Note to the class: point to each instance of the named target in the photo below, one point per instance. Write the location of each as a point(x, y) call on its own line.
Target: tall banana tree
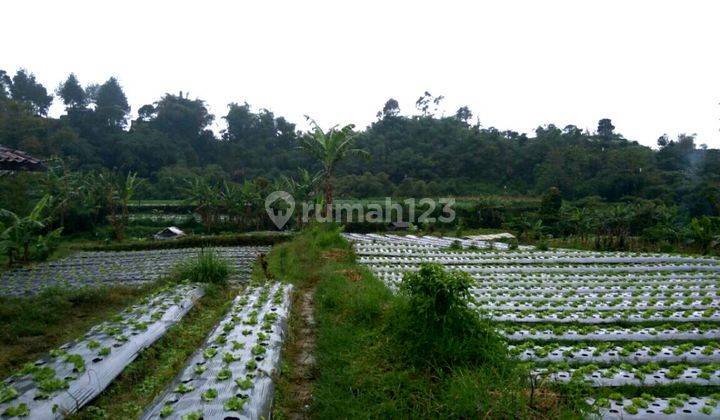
point(20, 233)
point(206, 199)
point(704, 233)
point(118, 191)
point(62, 185)
point(581, 221)
point(303, 189)
point(329, 149)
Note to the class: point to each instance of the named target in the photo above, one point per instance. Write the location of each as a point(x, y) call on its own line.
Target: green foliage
point(157, 366)
point(25, 89)
point(111, 103)
point(209, 394)
point(72, 94)
point(207, 267)
point(705, 232)
point(23, 238)
point(434, 326)
point(363, 373)
point(234, 404)
point(329, 149)
point(118, 190)
point(550, 206)
point(195, 241)
point(20, 410)
point(7, 393)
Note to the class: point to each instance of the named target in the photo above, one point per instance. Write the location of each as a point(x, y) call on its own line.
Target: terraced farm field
point(108, 268)
point(615, 322)
point(230, 376)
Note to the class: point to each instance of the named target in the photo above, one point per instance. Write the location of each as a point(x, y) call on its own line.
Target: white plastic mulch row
point(608, 377)
point(424, 241)
point(605, 317)
point(400, 247)
point(72, 375)
point(595, 304)
point(618, 354)
point(612, 333)
point(574, 268)
point(534, 295)
point(230, 377)
point(650, 408)
point(592, 300)
point(480, 258)
point(111, 268)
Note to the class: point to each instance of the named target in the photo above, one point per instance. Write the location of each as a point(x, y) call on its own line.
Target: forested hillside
point(413, 153)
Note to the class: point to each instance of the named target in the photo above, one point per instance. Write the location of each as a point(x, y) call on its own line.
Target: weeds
point(207, 267)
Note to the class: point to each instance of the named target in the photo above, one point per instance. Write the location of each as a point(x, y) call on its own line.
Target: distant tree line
point(423, 154)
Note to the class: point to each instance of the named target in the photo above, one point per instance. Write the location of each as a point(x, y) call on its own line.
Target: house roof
point(16, 160)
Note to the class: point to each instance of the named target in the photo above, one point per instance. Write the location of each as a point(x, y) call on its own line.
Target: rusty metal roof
point(12, 160)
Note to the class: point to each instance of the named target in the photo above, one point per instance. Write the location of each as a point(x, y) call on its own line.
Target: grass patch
point(32, 326)
point(150, 374)
point(206, 267)
point(361, 372)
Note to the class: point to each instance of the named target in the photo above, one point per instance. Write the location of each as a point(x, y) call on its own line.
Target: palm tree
point(330, 148)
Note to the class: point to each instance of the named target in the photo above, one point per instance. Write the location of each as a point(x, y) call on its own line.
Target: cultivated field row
point(607, 320)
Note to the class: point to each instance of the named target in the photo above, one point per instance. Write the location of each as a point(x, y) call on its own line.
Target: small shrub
point(542, 246)
point(207, 267)
point(433, 325)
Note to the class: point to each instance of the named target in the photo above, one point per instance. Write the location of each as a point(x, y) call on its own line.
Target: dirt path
point(301, 354)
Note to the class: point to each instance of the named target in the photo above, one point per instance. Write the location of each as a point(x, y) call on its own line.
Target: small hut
point(15, 160)
point(171, 232)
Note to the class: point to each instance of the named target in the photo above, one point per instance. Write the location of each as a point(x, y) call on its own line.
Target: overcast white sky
point(652, 66)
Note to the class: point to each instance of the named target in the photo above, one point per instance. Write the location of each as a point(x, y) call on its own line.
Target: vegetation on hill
point(598, 189)
point(411, 155)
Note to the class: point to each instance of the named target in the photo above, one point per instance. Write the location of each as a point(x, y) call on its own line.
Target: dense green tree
point(412, 155)
point(390, 109)
point(111, 104)
point(72, 94)
point(605, 129)
point(463, 114)
point(25, 89)
point(180, 117)
point(5, 83)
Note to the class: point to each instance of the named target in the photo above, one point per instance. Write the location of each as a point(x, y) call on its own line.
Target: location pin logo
point(280, 216)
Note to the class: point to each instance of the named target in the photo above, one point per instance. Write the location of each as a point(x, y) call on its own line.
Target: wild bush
point(433, 325)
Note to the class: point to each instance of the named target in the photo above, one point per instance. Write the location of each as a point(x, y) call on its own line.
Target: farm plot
point(106, 268)
point(611, 321)
point(72, 375)
point(230, 376)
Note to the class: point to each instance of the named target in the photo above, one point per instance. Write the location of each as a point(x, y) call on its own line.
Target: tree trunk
point(328, 196)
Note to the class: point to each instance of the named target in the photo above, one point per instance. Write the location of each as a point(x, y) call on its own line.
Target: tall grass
point(206, 267)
